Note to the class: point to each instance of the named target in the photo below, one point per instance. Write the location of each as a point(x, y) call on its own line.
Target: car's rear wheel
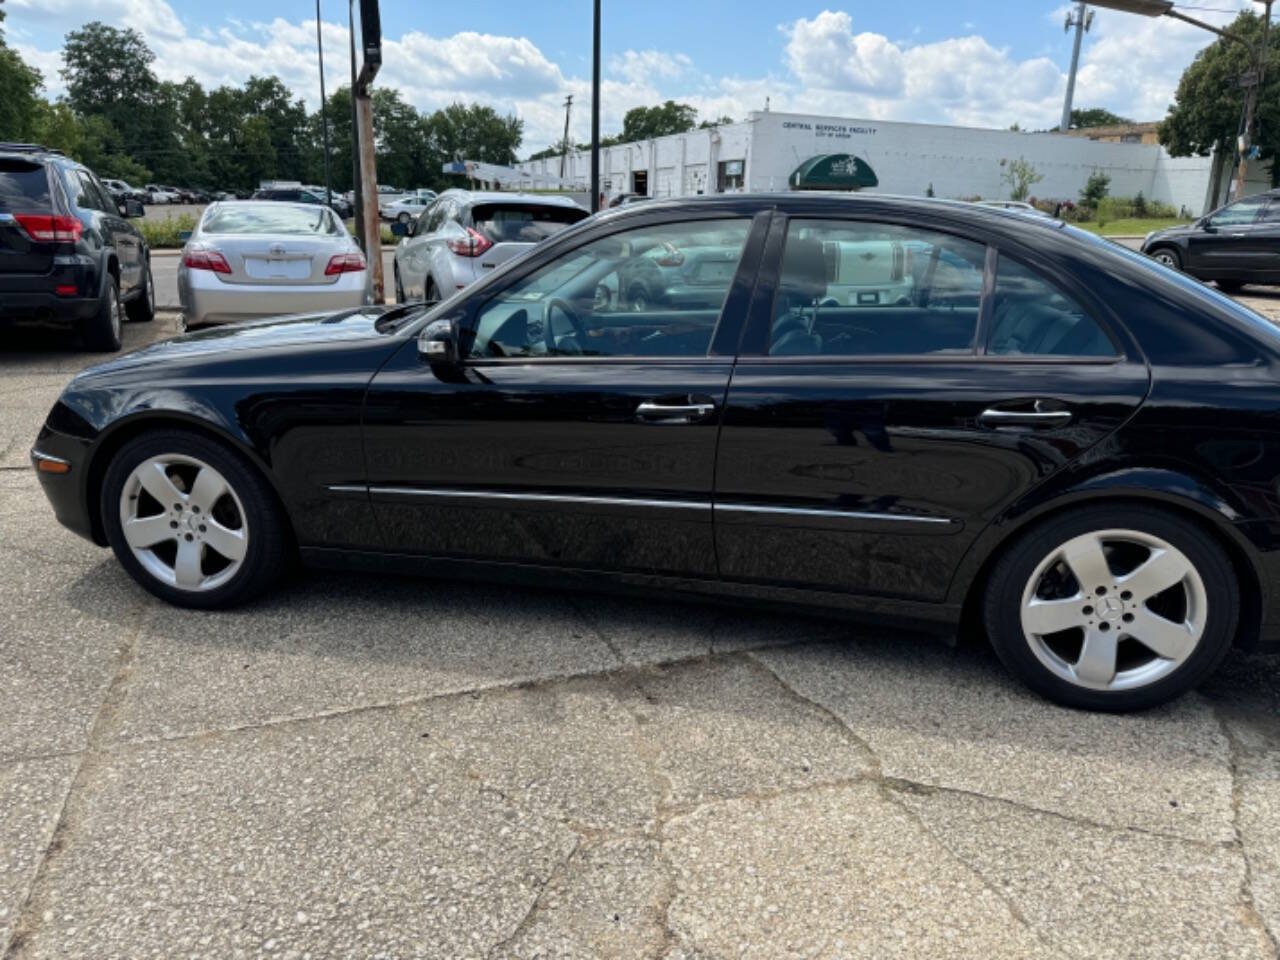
point(102, 330)
point(1168, 256)
point(142, 308)
point(432, 294)
point(1112, 607)
point(638, 298)
point(191, 520)
point(395, 270)
point(402, 217)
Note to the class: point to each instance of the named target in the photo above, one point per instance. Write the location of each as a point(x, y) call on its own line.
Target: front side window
point(641, 293)
point(1238, 214)
point(1032, 317)
point(850, 288)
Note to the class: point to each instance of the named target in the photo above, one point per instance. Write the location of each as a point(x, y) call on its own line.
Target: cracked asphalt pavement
point(373, 767)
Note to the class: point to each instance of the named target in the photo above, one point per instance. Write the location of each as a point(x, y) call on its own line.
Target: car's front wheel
point(1168, 256)
point(1112, 607)
point(191, 520)
point(403, 217)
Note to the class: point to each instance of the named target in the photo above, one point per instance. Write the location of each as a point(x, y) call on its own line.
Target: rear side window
point(869, 289)
point(1032, 317)
point(23, 186)
point(264, 218)
point(530, 223)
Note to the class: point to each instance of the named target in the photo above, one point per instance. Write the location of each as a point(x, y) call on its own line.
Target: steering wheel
point(548, 337)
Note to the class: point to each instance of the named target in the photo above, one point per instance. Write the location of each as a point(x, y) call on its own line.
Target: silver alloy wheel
point(115, 313)
point(1087, 610)
point(1165, 257)
point(184, 522)
point(149, 291)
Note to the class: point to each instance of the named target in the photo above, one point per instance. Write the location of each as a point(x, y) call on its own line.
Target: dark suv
point(68, 257)
point(299, 195)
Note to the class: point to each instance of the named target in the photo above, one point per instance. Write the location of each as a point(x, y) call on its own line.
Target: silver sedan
point(260, 258)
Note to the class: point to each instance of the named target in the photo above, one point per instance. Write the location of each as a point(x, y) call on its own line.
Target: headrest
point(804, 268)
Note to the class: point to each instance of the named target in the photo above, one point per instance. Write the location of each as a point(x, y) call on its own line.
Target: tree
point(709, 124)
point(1096, 117)
point(1095, 188)
point(1205, 114)
point(645, 123)
point(1021, 176)
point(20, 87)
point(462, 132)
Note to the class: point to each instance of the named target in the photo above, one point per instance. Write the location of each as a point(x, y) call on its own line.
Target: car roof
point(500, 196)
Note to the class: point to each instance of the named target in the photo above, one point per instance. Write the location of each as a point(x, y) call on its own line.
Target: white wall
point(907, 158)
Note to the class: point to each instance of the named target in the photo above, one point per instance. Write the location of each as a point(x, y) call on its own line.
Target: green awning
point(833, 171)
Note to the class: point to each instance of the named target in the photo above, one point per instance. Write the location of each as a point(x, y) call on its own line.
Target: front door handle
point(691, 410)
point(1024, 418)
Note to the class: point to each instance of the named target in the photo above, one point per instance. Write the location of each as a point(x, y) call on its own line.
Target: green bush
point(160, 234)
point(1095, 189)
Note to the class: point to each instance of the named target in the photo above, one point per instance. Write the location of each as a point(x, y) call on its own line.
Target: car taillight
point(47, 229)
point(204, 258)
point(472, 245)
point(672, 258)
point(344, 263)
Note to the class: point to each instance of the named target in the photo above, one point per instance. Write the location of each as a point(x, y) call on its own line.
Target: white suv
point(463, 235)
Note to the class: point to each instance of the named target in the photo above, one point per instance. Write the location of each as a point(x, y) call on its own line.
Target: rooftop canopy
point(833, 171)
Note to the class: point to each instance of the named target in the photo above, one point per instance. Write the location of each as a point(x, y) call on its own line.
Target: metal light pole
point(595, 109)
point(1165, 8)
point(1082, 20)
point(324, 115)
point(356, 197)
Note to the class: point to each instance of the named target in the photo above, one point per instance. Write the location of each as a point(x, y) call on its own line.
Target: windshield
point(271, 218)
point(525, 223)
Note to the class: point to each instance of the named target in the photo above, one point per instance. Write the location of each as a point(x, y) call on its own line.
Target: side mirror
point(1206, 225)
point(132, 208)
point(438, 342)
point(399, 229)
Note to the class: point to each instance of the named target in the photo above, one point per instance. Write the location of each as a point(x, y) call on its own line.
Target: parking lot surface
point(361, 766)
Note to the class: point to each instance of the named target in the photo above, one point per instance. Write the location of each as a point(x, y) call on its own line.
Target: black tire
point(268, 553)
point(1230, 286)
point(1002, 603)
point(402, 217)
point(638, 299)
point(1169, 256)
point(102, 331)
point(431, 294)
point(395, 269)
point(142, 308)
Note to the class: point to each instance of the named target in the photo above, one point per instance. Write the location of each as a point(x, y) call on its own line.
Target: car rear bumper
point(205, 299)
point(45, 310)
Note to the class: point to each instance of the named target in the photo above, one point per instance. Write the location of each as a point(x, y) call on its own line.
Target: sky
point(988, 63)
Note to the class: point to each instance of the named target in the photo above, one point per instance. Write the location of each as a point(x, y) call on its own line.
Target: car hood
point(1171, 233)
point(264, 335)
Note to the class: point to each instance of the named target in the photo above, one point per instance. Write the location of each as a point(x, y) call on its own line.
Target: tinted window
point(506, 223)
point(23, 186)
point(584, 303)
point(434, 217)
point(264, 218)
point(1032, 317)
point(868, 289)
point(1238, 214)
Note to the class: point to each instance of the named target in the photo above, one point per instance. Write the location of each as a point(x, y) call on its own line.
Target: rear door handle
point(1024, 418)
point(693, 411)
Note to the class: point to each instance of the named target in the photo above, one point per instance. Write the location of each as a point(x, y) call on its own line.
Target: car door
point(116, 232)
point(572, 432)
point(898, 387)
point(413, 273)
point(129, 243)
point(1226, 244)
point(1267, 237)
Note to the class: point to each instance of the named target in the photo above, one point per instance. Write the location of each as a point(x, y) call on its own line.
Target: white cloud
point(639, 66)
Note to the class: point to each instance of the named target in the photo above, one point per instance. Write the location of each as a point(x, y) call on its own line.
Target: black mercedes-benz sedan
point(917, 411)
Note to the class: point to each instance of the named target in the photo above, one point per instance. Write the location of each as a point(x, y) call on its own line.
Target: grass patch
point(162, 234)
point(1134, 227)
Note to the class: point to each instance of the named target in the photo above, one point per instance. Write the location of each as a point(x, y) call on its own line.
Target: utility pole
point(371, 45)
point(324, 115)
point(356, 195)
point(1257, 77)
point(1082, 20)
point(595, 109)
point(564, 143)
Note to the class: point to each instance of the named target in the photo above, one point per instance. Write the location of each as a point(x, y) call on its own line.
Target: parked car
point(158, 195)
point(1082, 458)
point(122, 191)
point(251, 259)
point(302, 195)
point(1234, 245)
point(69, 258)
point(404, 208)
point(464, 235)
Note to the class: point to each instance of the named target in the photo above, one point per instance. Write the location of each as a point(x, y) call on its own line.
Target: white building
point(764, 152)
